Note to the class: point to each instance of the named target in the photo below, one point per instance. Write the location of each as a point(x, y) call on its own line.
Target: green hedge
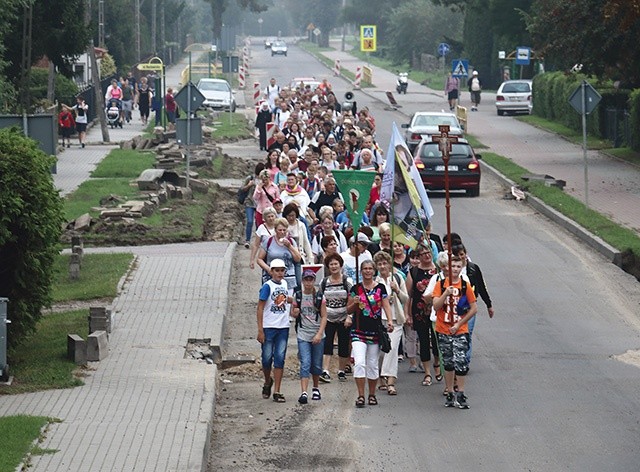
point(551, 101)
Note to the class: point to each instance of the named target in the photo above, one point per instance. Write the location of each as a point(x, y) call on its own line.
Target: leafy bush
point(634, 105)
point(30, 227)
point(64, 87)
point(107, 66)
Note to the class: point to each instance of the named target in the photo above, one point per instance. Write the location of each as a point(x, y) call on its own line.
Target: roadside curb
point(608, 251)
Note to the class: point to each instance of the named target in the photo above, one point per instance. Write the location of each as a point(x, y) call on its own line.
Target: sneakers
point(449, 401)
point(304, 398)
point(413, 369)
point(316, 394)
point(347, 369)
point(325, 377)
point(342, 377)
point(461, 401)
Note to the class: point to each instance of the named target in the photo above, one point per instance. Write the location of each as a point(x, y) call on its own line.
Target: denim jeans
point(250, 213)
point(470, 324)
point(310, 356)
point(274, 348)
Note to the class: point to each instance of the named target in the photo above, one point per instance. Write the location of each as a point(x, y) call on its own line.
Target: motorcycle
point(402, 82)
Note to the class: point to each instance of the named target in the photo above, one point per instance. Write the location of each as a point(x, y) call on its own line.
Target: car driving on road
point(464, 168)
point(514, 96)
point(424, 124)
point(218, 94)
point(268, 42)
point(279, 47)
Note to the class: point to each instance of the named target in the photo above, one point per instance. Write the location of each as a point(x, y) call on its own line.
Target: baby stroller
point(113, 113)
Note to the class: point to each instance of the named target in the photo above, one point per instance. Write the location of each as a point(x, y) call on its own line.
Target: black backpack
point(297, 295)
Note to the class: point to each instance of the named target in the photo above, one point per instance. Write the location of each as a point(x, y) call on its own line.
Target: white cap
point(277, 263)
point(362, 238)
point(475, 72)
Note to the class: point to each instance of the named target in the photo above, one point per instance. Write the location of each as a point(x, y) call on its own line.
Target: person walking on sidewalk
point(310, 312)
point(451, 90)
point(66, 124)
point(82, 112)
point(475, 88)
point(272, 313)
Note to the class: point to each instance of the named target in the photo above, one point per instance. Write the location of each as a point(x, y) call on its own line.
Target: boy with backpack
point(454, 306)
point(310, 312)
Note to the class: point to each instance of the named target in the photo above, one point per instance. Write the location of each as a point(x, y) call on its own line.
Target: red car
point(464, 168)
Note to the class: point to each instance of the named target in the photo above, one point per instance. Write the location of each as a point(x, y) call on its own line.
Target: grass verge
point(99, 277)
point(17, 435)
point(626, 154)
point(566, 132)
point(91, 191)
point(41, 363)
point(124, 163)
point(617, 236)
point(232, 126)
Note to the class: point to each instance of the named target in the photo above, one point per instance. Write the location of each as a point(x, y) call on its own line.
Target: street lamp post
point(260, 21)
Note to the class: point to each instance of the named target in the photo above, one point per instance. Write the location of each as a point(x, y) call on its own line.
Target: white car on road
point(218, 94)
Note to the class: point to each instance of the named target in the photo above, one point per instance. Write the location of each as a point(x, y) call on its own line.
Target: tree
point(218, 8)
point(8, 17)
point(602, 35)
point(422, 25)
point(30, 227)
point(57, 33)
point(373, 12)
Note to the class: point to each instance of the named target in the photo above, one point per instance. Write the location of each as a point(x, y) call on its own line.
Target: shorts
point(453, 95)
point(66, 132)
point(454, 352)
point(81, 127)
point(274, 348)
point(475, 97)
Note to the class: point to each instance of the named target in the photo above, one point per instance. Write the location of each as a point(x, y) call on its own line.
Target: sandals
point(427, 380)
point(266, 389)
point(439, 375)
point(347, 369)
point(391, 390)
point(360, 402)
point(373, 400)
point(383, 384)
point(278, 397)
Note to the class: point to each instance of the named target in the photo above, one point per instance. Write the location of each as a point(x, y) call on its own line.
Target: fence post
point(4, 367)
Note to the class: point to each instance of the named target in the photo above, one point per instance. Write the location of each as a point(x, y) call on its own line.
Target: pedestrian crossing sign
point(460, 68)
point(368, 38)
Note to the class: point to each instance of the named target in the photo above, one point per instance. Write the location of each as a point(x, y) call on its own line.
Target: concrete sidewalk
point(614, 185)
point(145, 407)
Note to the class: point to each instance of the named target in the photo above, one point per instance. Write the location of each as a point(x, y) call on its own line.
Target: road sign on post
point(443, 49)
point(460, 68)
point(368, 38)
point(584, 99)
point(182, 97)
point(523, 56)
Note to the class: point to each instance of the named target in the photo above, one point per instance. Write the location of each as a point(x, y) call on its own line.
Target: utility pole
point(154, 48)
point(101, 42)
point(138, 46)
point(95, 79)
point(162, 32)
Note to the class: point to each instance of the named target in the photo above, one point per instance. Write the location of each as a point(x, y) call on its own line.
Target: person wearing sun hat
point(310, 312)
point(272, 313)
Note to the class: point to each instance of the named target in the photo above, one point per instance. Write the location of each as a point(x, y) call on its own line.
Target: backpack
point(270, 240)
point(317, 302)
point(323, 285)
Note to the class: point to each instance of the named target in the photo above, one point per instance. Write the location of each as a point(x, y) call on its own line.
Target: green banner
point(355, 186)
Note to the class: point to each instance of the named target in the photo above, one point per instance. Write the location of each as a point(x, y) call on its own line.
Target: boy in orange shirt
point(452, 314)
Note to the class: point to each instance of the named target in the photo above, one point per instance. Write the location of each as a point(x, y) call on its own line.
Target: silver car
point(424, 124)
point(514, 96)
point(279, 47)
point(218, 94)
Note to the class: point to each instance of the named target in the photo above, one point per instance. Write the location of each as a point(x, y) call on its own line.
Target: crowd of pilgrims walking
point(300, 219)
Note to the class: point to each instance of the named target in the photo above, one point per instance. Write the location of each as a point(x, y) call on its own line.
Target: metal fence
point(618, 127)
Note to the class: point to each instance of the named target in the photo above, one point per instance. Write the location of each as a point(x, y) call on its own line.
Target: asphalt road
point(546, 389)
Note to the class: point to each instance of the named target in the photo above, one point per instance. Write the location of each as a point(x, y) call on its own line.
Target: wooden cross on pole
point(445, 143)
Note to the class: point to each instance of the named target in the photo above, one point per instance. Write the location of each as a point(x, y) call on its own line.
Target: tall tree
point(418, 28)
point(218, 8)
point(59, 33)
point(603, 35)
point(372, 12)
